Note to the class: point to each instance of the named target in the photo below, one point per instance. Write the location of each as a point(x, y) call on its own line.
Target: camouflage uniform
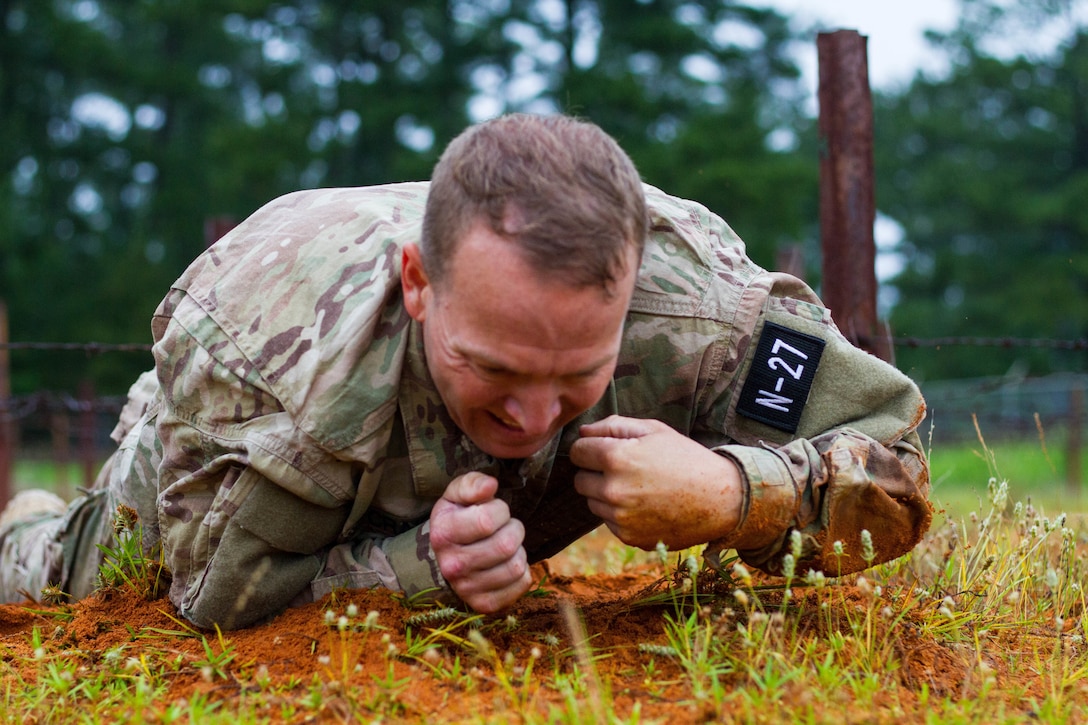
point(297, 442)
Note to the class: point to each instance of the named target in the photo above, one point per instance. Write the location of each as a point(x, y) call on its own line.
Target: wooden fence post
point(60, 428)
point(847, 200)
point(87, 432)
point(7, 427)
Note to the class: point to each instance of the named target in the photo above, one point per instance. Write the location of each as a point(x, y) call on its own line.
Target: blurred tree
point(52, 223)
point(987, 172)
point(110, 112)
point(706, 98)
point(126, 125)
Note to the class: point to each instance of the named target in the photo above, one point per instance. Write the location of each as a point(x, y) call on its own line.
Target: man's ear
point(414, 282)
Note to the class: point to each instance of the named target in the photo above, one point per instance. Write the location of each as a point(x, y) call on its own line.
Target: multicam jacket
point(298, 443)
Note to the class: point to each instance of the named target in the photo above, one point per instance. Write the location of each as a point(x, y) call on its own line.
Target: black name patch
point(781, 376)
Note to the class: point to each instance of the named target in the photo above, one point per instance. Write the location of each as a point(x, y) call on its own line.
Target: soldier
point(431, 386)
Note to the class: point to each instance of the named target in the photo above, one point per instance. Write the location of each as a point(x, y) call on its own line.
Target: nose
point(534, 408)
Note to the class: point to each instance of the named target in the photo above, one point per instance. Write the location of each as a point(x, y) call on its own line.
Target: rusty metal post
point(847, 200)
point(791, 260)
point(216, 226)
point(7, 428)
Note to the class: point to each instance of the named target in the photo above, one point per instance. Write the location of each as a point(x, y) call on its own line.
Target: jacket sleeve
point(242, 545)
point(854, 464)
point(253, 515)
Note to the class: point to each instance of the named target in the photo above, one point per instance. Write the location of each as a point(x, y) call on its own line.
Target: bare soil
point(298, 649)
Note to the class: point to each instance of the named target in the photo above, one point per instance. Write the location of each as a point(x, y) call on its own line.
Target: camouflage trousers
point(63, 551)
point(57, 551)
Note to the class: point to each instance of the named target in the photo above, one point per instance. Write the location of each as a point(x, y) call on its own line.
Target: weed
point(347, 638)
point(214, 664)
point(126, 564)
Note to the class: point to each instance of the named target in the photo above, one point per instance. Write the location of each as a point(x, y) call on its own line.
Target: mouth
point(507, 439)
point(512, 436)
point(505, 424)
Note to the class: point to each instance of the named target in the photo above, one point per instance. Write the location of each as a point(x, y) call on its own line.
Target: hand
point(479, 545)
point(650, 483)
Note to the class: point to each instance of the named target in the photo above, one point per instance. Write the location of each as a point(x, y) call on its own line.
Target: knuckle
point(518, 568)
point(583, 481)
point(506, 547)
point(509, 543)
point(483, 524)
point(486, 603)
point(614, 457)
point(611, 492)
point(453, 568)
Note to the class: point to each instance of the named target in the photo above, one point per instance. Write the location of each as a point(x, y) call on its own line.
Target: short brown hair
point(560, 188)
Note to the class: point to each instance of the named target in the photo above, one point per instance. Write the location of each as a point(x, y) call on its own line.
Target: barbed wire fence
point(1003, 342)
point(72, 430)
point(65, 429)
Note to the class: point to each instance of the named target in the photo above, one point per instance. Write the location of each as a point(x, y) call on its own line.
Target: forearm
point(245, 582)
point(248, 580)
point(240, 547)
point(830, 488)
point(279, 550)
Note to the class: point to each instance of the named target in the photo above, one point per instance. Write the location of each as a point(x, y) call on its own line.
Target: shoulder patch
point(781, 377)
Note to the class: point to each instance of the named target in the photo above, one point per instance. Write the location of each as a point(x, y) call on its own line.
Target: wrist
point(414, 562)
point(765, 500)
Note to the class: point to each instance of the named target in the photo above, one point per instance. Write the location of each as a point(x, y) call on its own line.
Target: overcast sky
point(897, 48)
point(896, 51)
point(894, 29)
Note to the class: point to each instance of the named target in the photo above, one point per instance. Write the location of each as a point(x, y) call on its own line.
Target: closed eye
point(492, 371)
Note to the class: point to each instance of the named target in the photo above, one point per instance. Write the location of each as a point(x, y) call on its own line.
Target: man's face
point(514, 357)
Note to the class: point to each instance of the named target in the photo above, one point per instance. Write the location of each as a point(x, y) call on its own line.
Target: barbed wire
point(21, 407)
point(91, 348)
point(1007, 342)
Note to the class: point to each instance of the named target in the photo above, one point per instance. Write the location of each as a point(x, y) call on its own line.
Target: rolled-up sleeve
point(830, 489)
point(854, 464)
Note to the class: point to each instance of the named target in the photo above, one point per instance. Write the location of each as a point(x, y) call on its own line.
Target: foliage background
point(125, 126)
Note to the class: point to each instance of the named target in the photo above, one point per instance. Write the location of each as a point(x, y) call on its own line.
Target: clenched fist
point(479, 545)
point(650, 483)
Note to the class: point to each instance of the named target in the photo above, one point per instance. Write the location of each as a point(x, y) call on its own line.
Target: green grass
point(995, 595)
point(1034, 469)
point(61, 479)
